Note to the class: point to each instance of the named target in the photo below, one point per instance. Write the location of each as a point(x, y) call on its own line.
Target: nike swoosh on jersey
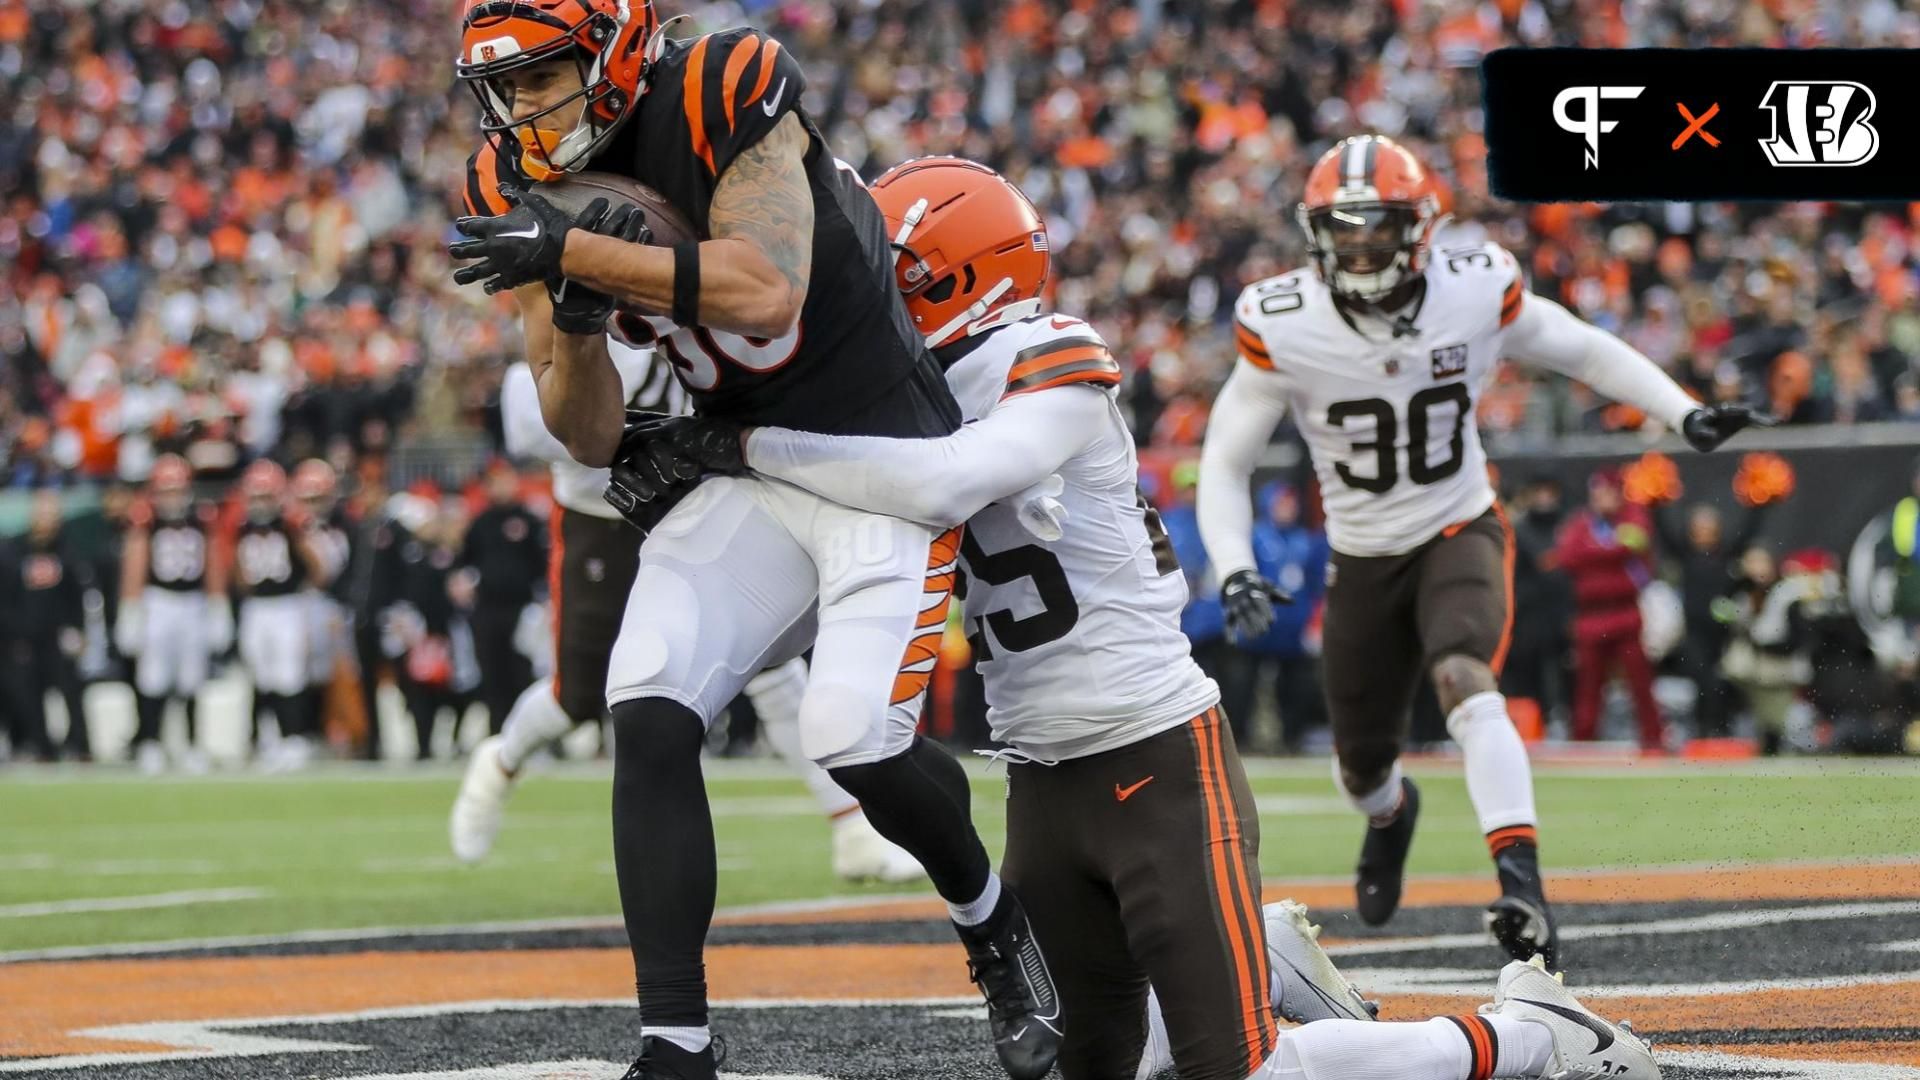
point(1604, 1037)
point(531, 232)
point(1125, 793)
point(768, 106)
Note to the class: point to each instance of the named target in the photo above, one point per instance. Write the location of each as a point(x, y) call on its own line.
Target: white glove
point(129, 628)
point(219, 624)
point(1040, 513)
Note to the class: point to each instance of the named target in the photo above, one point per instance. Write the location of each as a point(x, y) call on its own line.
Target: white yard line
point(183, 898)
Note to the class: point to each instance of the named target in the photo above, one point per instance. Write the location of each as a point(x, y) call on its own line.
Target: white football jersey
point(646, 379)
point(1078, 640)
point(1387, 410)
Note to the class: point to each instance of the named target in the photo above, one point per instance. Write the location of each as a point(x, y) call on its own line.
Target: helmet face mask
point(509, 42)
point(1366, 250)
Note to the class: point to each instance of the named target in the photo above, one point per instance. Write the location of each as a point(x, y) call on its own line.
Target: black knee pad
point(1366, 763)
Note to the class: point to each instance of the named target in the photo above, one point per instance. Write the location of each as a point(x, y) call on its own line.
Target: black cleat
point(1023, 1008)
point(1521, 921)
point(663, 1059)
point(1383, 860)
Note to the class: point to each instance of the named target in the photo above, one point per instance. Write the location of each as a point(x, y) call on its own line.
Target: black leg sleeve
point(663, 854)
point(149, 711)
point(920, 800)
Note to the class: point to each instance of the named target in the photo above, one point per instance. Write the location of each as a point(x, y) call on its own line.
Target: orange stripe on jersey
point(487, 162)
point(692, 88)
point(1510, 303)
point(736, 64)
point(556, 593)
point(1223, 843)
point(1252, 349)
point(1061, 362)
point(767, 53)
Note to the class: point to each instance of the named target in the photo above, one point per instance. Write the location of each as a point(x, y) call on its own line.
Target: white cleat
point(860, 853)
point(151, 758)
point(481, 802)
point(1306, 985)
point(1585, 1047)
point(194, 762)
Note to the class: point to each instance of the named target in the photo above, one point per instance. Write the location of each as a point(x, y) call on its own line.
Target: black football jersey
point(265, 562)
point(854, 365)
point(177, 555)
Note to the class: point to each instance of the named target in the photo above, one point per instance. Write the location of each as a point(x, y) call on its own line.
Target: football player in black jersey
point(173, 607)
point(783, 312)
point(272, 564)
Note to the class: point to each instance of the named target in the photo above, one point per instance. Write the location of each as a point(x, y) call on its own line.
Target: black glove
point(1249, 600)
point(520, 246)
point(578, 309)
point(647, 513)
point(1706, 428)
point(713, 445)
point(646, 466)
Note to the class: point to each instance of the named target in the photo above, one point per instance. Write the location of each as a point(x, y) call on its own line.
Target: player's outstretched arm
point(755, 270)
point(1547, 335)
point(1243, 419)
point(939, 482)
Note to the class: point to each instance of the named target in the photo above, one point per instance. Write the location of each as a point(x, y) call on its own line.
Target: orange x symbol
point(1697, 125)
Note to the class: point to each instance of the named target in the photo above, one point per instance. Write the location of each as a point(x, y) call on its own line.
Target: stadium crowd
point(222, 221)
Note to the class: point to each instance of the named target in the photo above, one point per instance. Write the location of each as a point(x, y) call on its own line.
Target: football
point(573, 192)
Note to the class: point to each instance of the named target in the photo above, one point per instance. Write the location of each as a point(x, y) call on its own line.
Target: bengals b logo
point(1820, 123)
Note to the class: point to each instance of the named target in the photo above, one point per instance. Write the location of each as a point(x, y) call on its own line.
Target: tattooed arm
point(754, 272)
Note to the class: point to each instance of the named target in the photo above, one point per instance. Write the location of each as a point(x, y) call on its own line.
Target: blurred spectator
point(1605, 551)
point(1759, 658)
point(1536, 668)
point(503, 561)
point(1294, 557)
point(1705, 557)
point(50, 629)
point(429, 621)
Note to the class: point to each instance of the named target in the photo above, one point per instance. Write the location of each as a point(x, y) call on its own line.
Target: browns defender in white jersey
point(1380, 351)
point(1128, 817)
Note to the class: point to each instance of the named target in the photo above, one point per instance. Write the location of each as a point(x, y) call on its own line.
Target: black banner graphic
point(1616, 125)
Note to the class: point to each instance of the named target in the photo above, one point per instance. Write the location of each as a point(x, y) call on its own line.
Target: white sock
point(1362, 1050)
point(776, 694)
point(1526, 1048)
point(691, 1039)
point(535, 720)
point(1382, 804)
point(1499, 776)
point(976, 913)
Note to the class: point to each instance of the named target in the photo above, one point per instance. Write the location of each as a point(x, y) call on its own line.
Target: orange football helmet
point(612, 42)
point(1369, 212)
point(970, 243)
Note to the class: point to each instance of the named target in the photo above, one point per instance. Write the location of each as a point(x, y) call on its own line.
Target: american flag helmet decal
point(1039, 241)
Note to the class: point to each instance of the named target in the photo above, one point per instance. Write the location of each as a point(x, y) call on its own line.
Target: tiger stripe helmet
point(1369, 212)
point(612, 41)
point(969, 244)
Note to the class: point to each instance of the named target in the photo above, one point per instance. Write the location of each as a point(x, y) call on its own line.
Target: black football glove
point(645, 515)
point(521, 246)
point(646, 466)
point(1249, 599)
point(1706, 428)
point(713, 445)
point(578, 309)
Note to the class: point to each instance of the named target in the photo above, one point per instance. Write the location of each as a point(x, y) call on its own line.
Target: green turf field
point(338, 849)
